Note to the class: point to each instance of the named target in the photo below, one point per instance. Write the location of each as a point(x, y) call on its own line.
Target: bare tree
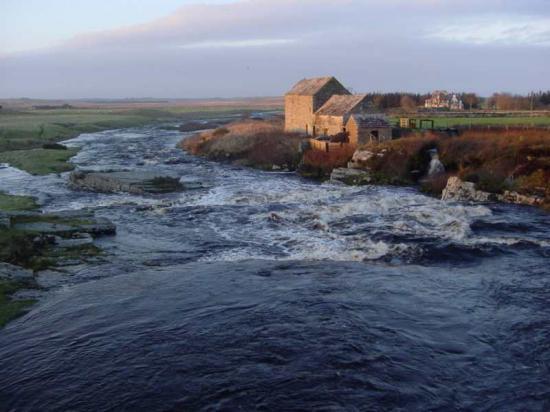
point(471, 100)
point(408, 104)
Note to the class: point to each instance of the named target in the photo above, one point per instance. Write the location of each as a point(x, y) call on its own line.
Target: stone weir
point(135, 182)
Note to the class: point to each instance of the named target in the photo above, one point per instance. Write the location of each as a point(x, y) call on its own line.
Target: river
point(265, 291)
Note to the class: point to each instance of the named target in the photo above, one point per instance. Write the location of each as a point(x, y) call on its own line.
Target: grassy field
point(444, 122)
point(23, 132)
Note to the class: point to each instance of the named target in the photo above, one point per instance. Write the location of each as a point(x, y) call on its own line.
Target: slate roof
point(371, 121)
point(309, 87)
point(340, 105)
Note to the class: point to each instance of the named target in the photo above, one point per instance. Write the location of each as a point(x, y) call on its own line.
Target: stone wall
point(329, 125)
point(299, 114)
point(299, 110)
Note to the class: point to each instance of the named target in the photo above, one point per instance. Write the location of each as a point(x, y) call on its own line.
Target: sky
point(238, 48)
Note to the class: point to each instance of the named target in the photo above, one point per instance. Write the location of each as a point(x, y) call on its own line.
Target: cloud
point(259, 47)
point(497, 30)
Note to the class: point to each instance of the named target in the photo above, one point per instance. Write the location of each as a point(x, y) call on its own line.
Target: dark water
point(264, 291)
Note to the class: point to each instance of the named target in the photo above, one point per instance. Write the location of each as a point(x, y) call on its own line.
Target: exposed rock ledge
point(458, 190)
point(135, 182)
point(351, 176)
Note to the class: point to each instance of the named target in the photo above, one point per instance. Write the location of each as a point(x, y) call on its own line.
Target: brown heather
point(516, 160)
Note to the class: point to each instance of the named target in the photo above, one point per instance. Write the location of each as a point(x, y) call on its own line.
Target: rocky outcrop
point(351, 176)
point(360, 159)
point(65, 224)
point(135, 182)
point(514, 197)
point(461, 191)
point(458, 190)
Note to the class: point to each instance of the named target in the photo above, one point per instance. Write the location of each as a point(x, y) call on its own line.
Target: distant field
point(23, 132)
point(24, 129)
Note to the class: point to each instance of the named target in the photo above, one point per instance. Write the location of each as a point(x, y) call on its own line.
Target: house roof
point(310, 87)
point(371, 121)
point(341, 105)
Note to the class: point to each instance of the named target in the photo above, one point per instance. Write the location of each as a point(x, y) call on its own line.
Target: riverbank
point(261, 144)
point(512, 164)
point(28, 136)
point(495, 161)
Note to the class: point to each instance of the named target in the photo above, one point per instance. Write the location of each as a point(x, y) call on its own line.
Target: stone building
point(365, 128)
point(327, 111)
point(305, 98)
point(332, 117)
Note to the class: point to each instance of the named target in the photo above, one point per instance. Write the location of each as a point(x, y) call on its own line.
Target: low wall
point(329, 146)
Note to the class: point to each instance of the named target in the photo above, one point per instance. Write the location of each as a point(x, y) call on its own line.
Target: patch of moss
point(52, 256)
point(17, 203)
point(11, 309)
point(45, 218)
point(40, 161)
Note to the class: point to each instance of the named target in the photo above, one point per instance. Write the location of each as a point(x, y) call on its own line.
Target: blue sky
point(192, 48)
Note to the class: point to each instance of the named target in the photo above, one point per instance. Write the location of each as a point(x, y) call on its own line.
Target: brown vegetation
point(320, 163)
point(256, 143)
point(494, 160)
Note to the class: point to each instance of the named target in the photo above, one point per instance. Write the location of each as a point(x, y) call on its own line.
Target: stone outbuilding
point(332, 117)
point(305, 99)
point(365, 128)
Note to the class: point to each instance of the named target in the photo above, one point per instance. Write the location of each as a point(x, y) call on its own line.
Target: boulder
point(360, 159)
point(135, 182)
point(514, 197)
point(458, 190)
point(351, 176)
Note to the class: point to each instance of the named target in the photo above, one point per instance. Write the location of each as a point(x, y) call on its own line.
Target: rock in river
point(461, 191)
point(135, 182)
point(351, 176)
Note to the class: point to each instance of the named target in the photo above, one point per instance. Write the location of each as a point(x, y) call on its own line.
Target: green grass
point(40, 161)
point(443, 122)
point(14, 203)
point(24, 132)
point(11, 309)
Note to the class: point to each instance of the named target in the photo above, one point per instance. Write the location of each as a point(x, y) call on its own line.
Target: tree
point(408, 104)
point(471, 100)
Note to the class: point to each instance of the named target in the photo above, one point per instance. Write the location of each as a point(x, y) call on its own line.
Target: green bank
point(27, 137)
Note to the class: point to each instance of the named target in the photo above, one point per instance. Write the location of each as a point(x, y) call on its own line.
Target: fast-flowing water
point(264, 291)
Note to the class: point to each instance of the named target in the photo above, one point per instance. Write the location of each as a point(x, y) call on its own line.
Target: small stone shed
point(332, 117)
point(365, 128)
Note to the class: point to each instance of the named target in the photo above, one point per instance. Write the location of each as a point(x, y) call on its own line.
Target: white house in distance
point(441, 99)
